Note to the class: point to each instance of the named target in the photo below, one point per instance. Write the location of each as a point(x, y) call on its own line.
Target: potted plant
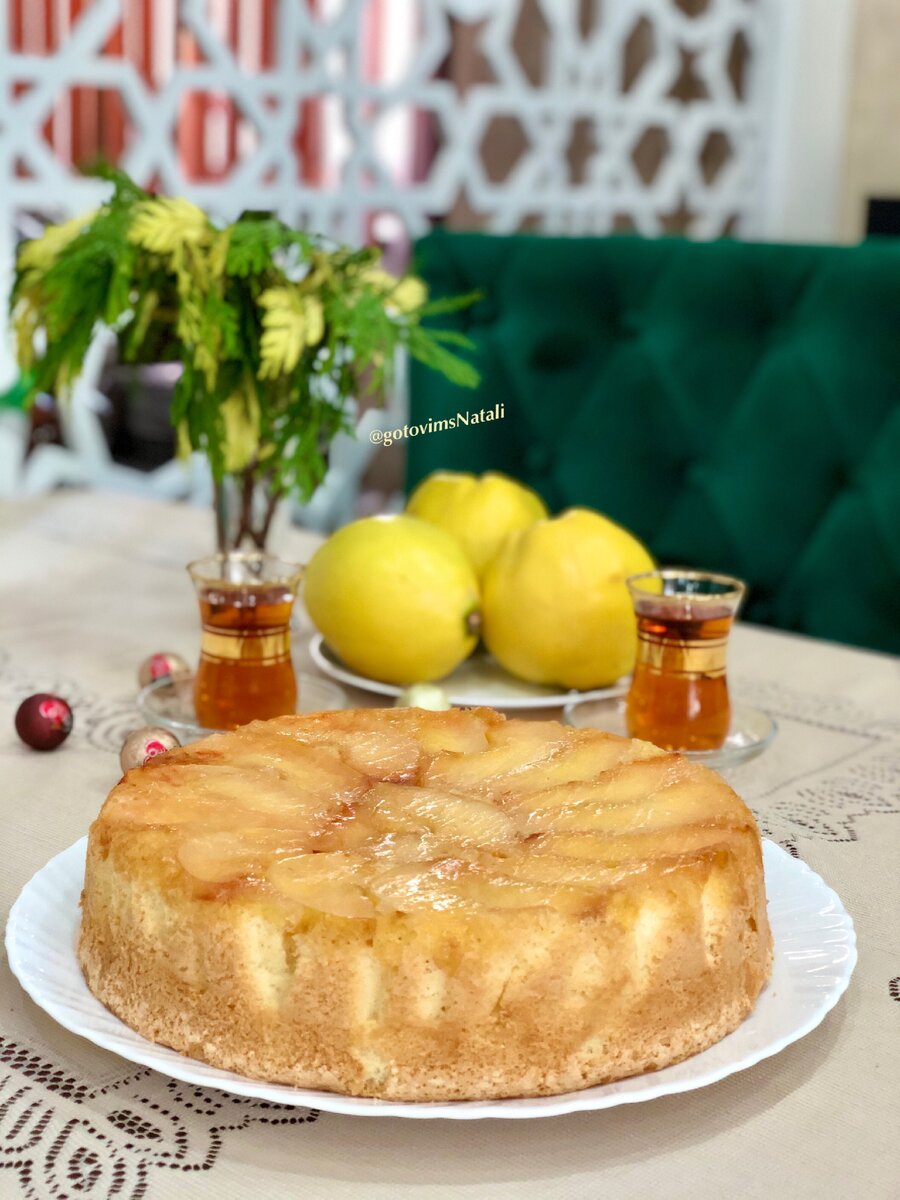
point(276, 331)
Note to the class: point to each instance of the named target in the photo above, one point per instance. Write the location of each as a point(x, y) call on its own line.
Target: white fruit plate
point(479, 680)
point(815, 953)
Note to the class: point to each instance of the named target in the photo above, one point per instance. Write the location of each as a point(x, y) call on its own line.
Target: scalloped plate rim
point(129, 1045)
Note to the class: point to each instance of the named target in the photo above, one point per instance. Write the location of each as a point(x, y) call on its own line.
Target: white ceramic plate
point(815, 953)
point(479, 680)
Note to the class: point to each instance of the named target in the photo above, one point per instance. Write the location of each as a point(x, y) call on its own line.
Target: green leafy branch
point(275, 328)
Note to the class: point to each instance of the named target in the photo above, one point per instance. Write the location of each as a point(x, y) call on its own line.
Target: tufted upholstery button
point(844, 477)
point(482, 312)
point(630, 325)
point(537, 458)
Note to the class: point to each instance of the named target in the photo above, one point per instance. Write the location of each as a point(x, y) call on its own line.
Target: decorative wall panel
point(575, 117)
point(373, 118)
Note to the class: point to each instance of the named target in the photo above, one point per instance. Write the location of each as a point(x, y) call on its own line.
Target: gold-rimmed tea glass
point(679, 692)
point(245, 672)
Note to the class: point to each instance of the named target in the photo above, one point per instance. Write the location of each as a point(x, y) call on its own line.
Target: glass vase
point(248, 516)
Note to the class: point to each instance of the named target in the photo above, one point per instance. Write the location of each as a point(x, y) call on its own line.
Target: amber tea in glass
point(245, 671)
point(679, 693)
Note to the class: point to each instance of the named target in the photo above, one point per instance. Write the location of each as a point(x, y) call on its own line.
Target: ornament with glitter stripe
point(143, 744)
point(43, 722)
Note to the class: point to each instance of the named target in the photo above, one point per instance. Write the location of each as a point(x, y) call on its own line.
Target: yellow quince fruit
point(395, 597)
point(554, 602)
point(479, 511)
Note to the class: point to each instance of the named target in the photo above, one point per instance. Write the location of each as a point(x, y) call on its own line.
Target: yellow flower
point(291, 321)
point(183, 447)
point(378, 279)
point(409, 294)
point(41, 253)
point(240, 413)
point(26, 322)
point(321, 270)
point(405, 294)
point(218, 253)
point(166, 225)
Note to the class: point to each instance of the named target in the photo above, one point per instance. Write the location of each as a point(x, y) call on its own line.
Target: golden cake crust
point(426, 906)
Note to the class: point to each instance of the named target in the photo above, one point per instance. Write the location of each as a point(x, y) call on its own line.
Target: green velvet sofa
point(737, 405)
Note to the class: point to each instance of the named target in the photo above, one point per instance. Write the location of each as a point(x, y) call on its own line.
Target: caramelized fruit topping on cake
point(475, 811)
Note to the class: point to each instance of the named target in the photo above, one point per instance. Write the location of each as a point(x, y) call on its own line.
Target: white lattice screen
point(373, 118)
point(643, 113)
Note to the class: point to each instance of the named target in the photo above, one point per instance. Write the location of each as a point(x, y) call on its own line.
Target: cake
point(422, 906)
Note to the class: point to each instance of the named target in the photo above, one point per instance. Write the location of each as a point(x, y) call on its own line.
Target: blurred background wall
point(374, 120)
point(872, 165)
point(362, 116)
point(371, 119)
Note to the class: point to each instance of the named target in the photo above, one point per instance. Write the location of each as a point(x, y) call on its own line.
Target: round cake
point(426, 906)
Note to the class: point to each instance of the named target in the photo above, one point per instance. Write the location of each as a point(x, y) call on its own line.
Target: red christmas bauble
point(161, 666)
point(143, 744)
point(43, 722)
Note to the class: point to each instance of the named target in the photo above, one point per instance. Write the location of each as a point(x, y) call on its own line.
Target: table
point(89, 585)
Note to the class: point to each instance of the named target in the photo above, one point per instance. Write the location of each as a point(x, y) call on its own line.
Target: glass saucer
point(752, 730)
point(170, 703)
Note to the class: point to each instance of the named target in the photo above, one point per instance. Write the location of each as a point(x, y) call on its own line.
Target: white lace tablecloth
point(89, 585)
